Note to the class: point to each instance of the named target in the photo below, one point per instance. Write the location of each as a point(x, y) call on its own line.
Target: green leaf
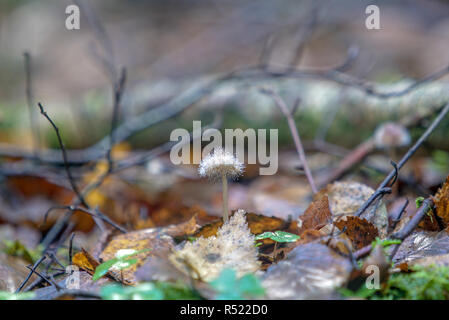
point(120, 262)
point(278, 236)
point(385, 243)
point(103, 268)
point(419, 201)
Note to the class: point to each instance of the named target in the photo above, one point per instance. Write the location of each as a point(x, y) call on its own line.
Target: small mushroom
point(391, 136)
point(221, 165)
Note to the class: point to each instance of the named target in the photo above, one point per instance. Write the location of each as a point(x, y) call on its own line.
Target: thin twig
point(403, 233)
point(51, 282)
point(64, 155)
point(396, 216)
point(30, 102)
point(405, 158)
point(294, 131)
point(119, 88)
point(36, 264)
point(414, 221)
point(96, 214)
point(72, 236)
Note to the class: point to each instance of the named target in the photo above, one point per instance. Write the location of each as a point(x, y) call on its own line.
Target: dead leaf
point(85, 261)
point(420, 244)
point(360, 231)
point(345, 198)
point(157, 240)
point(429, 222)
point(310, 236)
point(441, 200)
point(310, 271)
point(316, 216)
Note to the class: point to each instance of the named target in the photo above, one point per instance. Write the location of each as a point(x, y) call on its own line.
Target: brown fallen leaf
point(441, 200)
point(316, 216)
point(340, 243)
point(157, 240)
point(85, 261)
point(429, 222)
point(310, 236)
point(360, 231)
point(347, 196)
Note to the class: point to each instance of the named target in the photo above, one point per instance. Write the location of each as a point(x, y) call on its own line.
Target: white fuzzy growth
point(233, 247)
point(220, 163)
point(391, 135)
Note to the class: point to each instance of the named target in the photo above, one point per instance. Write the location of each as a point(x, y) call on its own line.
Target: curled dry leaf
point(441, 200)
point(346, 197)
point(422, 244)
point(85, 261)
point(360, 231)
point(316, 216)
point(310, 271)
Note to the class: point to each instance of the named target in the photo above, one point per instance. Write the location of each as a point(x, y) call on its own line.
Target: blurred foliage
point(18, 249)
point(229, 287)
point(440, 161)
point(149, 291)
point(423, 283)
point(4, 295)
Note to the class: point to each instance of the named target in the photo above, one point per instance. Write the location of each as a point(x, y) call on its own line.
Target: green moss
point(423, 283)
point(149, 291)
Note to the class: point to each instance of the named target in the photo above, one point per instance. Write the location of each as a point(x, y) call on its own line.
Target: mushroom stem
point(225, 197)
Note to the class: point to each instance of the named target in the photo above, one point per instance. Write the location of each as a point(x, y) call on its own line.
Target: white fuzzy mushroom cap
point(220, 162)
point(391, 135)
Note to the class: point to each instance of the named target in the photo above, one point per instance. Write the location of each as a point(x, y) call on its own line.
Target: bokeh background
point(160, 42)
